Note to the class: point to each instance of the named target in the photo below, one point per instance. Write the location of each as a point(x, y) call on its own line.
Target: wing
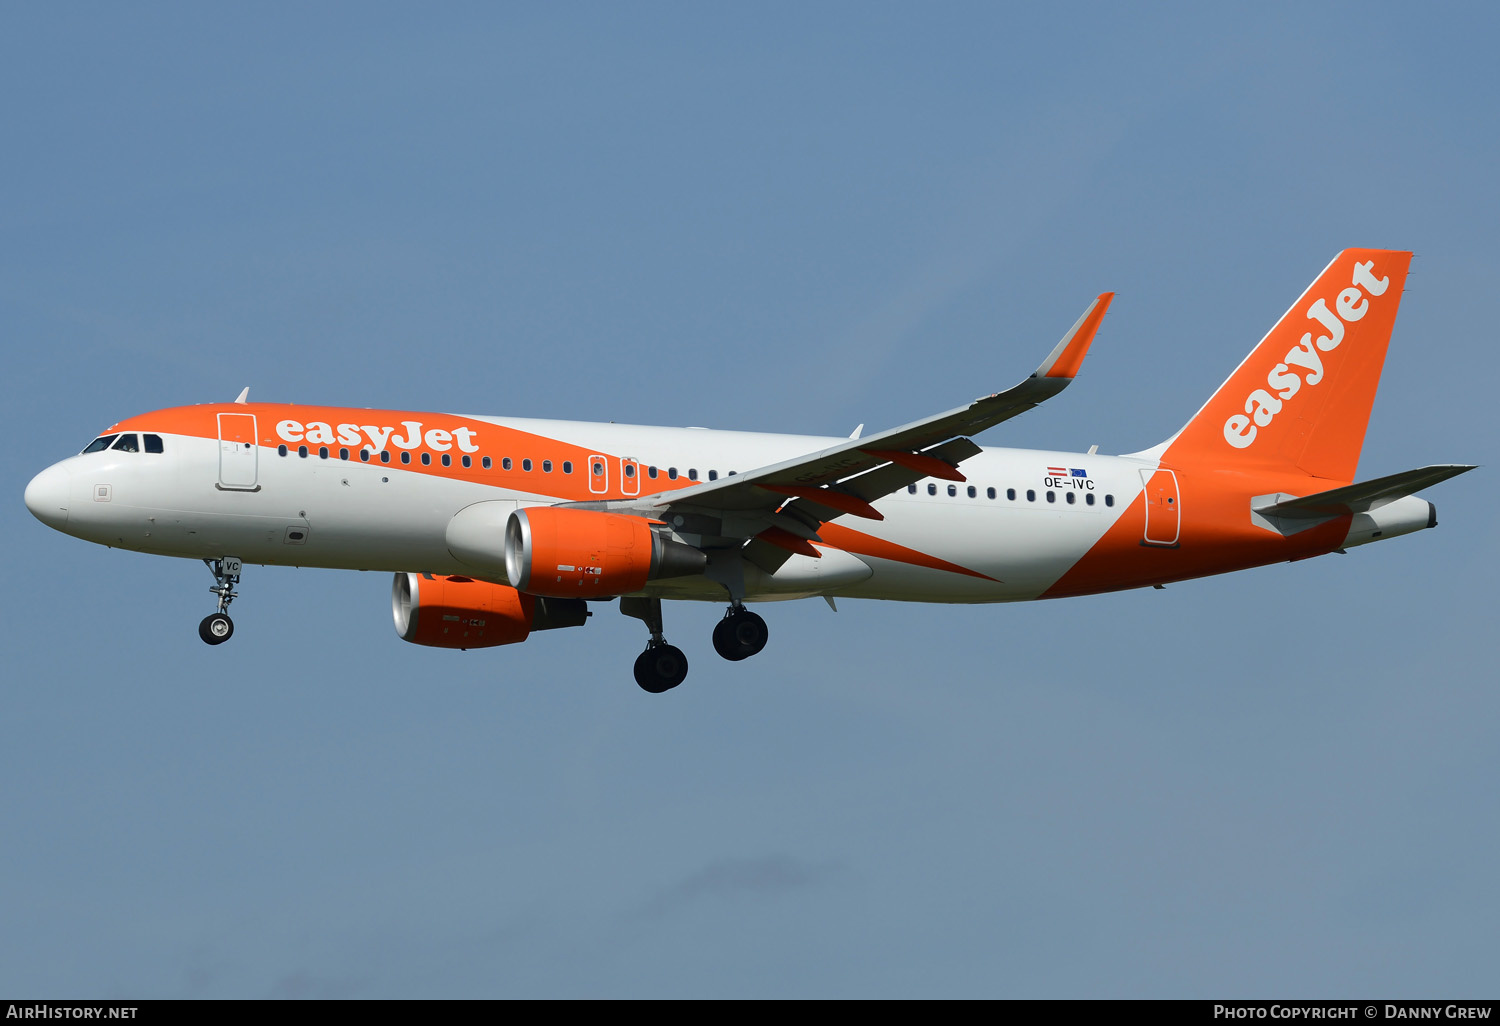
point(779, 508)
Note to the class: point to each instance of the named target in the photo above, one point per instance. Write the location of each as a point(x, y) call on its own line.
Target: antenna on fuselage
point(244, 395)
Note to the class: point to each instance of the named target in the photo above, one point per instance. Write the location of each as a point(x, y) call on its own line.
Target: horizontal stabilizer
point(1361, 497)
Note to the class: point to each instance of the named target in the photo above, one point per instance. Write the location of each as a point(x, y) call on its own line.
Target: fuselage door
point(1163, 507)
point(630, 476)
point(238, 453)
point(598, 474)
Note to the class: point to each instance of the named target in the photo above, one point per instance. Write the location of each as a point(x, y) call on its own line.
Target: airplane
point(496, 527)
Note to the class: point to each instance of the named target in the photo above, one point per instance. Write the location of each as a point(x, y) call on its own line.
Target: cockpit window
point(100, 444)
point(127, 443)
point(153, 443)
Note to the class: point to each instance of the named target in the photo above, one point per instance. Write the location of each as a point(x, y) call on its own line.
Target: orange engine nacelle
point(460, 612)
point(577, 553)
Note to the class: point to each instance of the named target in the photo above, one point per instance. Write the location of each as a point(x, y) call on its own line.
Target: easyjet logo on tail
point(1284, 382)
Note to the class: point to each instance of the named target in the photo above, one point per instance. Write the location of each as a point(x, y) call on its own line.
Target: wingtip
point(1066, 359)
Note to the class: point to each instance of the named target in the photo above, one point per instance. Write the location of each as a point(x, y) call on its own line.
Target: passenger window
point(364, 455)
point(672, 473)
point(468, 462)
point(127, 443)
point(153, 443)
point(1071, 498)
point(974, 492)
point(505, 464)
point(343, 454)
point(302, 451)
point(990, 492)
point(406, 457)
point(692, 474)
point(1010, 493)
point(447, 460)
point(322, 452)
point(568, 467)
point(99, 444)
point(546, 466)
point(651, 473)
point(597, 469)
point(1030, 495)
point(932, 489)
point(1109, 500)
point(1089, 498)
point(485, 463)
point(912, 489)
point(526, 465)
point(281, 450)
point(713, 475)
point(1051, 496)
point(630, 470)
point(385, 456)
point(427, 459)
point(952, 491)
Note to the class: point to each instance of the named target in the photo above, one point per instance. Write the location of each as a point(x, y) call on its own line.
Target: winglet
point(1067, 357)
point(244, 396)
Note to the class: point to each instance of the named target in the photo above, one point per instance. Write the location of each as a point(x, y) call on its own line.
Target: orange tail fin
point(1301, 400)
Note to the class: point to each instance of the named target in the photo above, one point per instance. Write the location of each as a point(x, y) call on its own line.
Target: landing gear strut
point(740, 634)
point(662, 666)
point(217, 628)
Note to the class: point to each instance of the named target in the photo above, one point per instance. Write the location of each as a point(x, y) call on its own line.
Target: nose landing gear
point(217, 628)
point(740, 634)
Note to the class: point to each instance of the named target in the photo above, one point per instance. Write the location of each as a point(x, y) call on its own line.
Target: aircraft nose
point(47, 496)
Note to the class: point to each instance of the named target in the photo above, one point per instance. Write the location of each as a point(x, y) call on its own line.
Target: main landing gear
point(740, 634)
point(217, 628)
point(662, 667)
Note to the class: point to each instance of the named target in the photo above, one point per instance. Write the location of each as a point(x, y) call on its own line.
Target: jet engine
point(460, 612)
point(550, 550)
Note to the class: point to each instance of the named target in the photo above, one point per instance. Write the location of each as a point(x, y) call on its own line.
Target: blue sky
point(774, 216)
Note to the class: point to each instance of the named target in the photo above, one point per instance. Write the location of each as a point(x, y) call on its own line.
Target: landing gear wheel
point(660, 668)
point(740, 635)
point(216, 628)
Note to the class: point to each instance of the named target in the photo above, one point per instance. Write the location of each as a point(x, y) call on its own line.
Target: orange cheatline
point(862, 544)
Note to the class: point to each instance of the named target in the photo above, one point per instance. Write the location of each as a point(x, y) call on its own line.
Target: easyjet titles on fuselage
point(317, 432)
point(1260, 405)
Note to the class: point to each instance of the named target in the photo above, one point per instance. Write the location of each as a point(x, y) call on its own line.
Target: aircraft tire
point(740, 635)
point(216, 628)
point(660, 668)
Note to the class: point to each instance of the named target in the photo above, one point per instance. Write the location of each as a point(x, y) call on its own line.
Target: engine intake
point(460, 612)
point(550, 550)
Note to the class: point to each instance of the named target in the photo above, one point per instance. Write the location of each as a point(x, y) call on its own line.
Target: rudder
point(1302, 398)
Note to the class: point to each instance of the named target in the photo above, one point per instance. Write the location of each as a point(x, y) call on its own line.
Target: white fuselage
point(343, 513)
